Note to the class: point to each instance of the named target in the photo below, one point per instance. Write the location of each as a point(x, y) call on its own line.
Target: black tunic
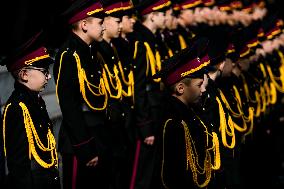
point(173, 147)
point(82, 131)
point(24, 172)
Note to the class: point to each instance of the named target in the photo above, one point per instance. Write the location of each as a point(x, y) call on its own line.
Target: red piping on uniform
point(135, 164)
point(85, 142)
point(74, 173)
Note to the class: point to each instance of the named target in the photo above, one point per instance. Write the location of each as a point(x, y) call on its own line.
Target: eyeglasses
point(42, 70)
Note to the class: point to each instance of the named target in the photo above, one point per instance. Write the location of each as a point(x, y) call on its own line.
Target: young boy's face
point(127, 24)
point(112, 26)
point(35, 78)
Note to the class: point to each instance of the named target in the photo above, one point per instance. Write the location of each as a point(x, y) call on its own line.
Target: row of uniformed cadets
point(114, 132)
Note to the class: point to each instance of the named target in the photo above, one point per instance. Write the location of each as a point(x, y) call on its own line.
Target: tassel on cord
point(182, 42)
point(217, 156)
point(170, 52)
point(273, 93)
point(258, 108)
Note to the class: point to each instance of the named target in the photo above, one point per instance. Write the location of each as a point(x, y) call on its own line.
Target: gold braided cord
point(129, 83)
point(33, 139)
point(182, 42)
point(162, 6)
point(263, 99)
point(29, 62)
point(240, 107)
point(155, 65)
point(215, 147)
point(192, 160)
point(195, 69)
point(216, 151)
point(273, 93)
point(246, 89)
point(267, 93)
point(251, 119)
point(273, 78)
point(135, 49)
point(281, 56)
point(4, 127)
point(58, 76)
point(115, 76)
point(190, 5)
point(192, 156)
point(234, 113)
point(163, 155)
point(262, 68)
point(258, 108)
point(224, 127)
point(115, 10)
point(170, 52)
point(236, 126)
point(94, 11)
point(158, 60)
point(108, 88)
point(83, 79)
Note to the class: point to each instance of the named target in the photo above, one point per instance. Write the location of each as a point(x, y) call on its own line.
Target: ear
point(180, 88)
point(151, 16)
point(24, 75)
point(84, 26)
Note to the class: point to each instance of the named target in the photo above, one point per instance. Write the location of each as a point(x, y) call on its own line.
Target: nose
point(103, 27)
point(133, 20)
point(202, 90)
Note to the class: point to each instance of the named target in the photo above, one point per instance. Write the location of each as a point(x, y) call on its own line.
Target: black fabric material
point(23, 172)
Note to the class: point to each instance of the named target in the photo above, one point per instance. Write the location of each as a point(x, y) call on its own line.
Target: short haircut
point(172, 89)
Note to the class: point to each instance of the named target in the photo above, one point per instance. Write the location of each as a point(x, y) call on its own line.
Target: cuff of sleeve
point(86, 150)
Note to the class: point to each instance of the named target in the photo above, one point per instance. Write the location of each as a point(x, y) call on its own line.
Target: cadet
point(121, 83)
point(29, 143)
point(147, 93)
point(185, 18)
point(82, 98)
point(186, 141)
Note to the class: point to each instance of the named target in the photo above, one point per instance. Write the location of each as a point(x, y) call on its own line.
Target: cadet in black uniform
point(185, 18)
point(147, 93)
point(124, 51)
point(186, 140)
point(82, 98)
point(29, 143)
point(121, 85)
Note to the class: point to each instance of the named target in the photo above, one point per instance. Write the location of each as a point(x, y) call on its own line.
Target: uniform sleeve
point(70, 102)
point(142, 108)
